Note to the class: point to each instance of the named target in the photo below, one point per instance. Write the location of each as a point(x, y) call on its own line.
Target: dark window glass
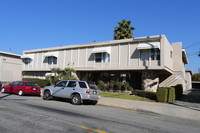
point(52, 60)
point(71, 84)
point(98, 57)
point(27, 61)
point(20, 83)
point(102, 57)
point(155, 54)
point(82, 85)
point(14, 83)
point(30, 84)
point(61, 84)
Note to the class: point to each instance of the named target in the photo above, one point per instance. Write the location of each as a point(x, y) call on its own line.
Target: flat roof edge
point(96, 44)
point(1, 52)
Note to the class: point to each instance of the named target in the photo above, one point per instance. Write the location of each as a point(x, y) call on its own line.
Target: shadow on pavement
point(190, 99)
point(192, 96)
point(69, 101)
point(5, 96)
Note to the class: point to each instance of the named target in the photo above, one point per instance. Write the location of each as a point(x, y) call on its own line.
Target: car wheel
point(76, 99)
point(2, 90)
point(20, 93)
point(47, 95)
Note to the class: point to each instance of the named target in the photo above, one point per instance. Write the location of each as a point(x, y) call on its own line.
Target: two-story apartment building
point(10, 67)
point(146, 62)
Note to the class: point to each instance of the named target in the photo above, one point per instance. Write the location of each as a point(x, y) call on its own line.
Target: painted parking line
point(3, 107)
point(98, 131)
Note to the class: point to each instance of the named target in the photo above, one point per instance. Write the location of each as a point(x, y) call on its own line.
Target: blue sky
point(35, 24)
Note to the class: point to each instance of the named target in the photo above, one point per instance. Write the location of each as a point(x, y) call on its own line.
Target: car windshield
point(92, 85)
point(30, 84)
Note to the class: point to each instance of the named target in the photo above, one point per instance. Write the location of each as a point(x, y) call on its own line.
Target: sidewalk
point(159, 108)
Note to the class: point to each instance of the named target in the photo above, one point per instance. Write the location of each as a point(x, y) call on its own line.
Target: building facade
point(146, 63)
point(10, 67)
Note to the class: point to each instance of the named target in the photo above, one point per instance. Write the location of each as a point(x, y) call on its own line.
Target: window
point(61, 84)
point(52, 60)
point(30, 84)
point(98, 57)
point(71, 84)
point(102, 57)
point(171, 54)
point(27, 61)
point(82, 85)
point(20, 83)
point(155, 54)
point(14, 83)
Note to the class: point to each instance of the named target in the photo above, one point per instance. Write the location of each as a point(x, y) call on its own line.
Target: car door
point(13, 87)
point(71, 88)
point(58, 89)
point(18, 86)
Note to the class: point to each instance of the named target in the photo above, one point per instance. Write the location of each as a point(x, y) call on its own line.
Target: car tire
point(2, 90)
point(76, 99)
point(47, 95)
point(20, 93)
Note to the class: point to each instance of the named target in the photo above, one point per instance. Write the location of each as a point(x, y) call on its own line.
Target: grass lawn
point(124, 96)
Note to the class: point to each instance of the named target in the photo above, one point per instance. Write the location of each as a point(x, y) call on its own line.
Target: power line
point(192, 45)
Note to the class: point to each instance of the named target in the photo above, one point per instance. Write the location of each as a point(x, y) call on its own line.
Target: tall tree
point(124, 30)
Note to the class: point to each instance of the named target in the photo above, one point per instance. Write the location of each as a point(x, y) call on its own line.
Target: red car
point(21, 88)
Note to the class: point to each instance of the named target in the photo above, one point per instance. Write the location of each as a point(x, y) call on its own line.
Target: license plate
point(34, 89)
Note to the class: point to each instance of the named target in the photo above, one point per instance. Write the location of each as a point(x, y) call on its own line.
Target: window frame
point(102, 57)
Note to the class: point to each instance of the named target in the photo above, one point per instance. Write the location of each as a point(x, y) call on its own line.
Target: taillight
point(88, 91)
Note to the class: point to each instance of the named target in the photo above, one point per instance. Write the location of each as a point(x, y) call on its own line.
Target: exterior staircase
point(173, 80)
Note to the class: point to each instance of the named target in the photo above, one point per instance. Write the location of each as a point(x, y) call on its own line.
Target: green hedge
point(162, 94)
point(141, 93)
point(166, 94)
point(171, 95)
point(39, 82)
point(178, 91)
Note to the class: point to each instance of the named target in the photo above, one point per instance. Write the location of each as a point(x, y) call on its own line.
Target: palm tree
point(55, 75)
point(68, 72)
point(124, 30)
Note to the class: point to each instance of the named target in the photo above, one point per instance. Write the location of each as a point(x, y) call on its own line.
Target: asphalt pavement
point(31, 114)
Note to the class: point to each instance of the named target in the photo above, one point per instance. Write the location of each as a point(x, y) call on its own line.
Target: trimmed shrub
point(166, 94)
point(142, 93)
point(171, 95)
point(162, 95)
point(39, 82)
point(178, 91)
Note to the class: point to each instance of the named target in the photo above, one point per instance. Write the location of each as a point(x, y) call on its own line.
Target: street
point(32, 114)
